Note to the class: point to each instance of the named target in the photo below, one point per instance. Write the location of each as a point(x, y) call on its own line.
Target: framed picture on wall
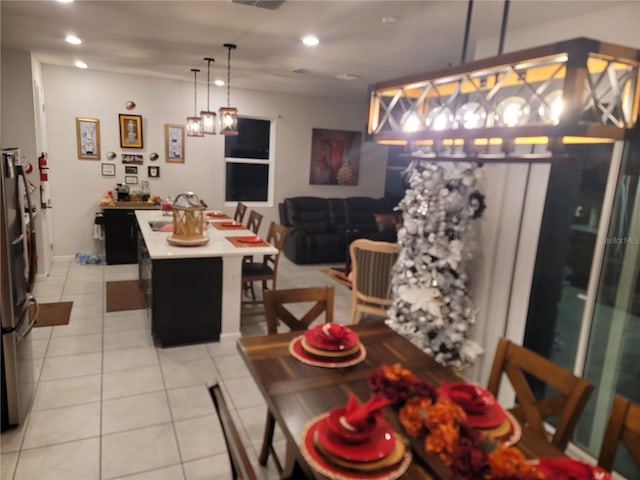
point(132, 159)
point(174, 143)
point(335, 157)
point(131, 179)
point(130, 131)
point(108, 169)
point(130, 170)
point(153, 171)
point(88, 138)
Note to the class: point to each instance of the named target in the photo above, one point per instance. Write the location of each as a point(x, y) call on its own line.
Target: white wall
point(77, 185)
point(613, 25)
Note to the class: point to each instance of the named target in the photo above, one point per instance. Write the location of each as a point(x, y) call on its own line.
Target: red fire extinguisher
point(44, 168)
point(45, 199)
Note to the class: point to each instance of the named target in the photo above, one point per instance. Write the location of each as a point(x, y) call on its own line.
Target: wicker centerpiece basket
point(188, 221)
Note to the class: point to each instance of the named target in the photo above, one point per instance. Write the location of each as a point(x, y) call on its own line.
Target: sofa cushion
point(311, 214)
point(360, 211)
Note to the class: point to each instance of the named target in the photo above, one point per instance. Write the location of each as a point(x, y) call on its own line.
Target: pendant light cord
point(229, 47)
point(503, 26)
point(467, 27)
point(208, 60)
point(208, 83)
point(228, 76)
point(195, 91)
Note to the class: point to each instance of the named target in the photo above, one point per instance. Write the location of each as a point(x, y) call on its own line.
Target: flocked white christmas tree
point(430, 286)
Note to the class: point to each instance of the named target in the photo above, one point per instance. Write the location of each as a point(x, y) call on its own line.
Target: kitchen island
point(193, 293)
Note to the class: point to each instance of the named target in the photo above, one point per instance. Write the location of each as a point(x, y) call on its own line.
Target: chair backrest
point(566, 401)
point(371, 264)
point(275, 236)
point(241, 209)
point(276, 301)
point(255, 219)
point(623, 427)
point(240, 465)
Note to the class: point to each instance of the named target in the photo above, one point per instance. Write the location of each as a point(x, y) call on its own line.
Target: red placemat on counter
point(217, 215)
point(244, 242)
point(228, 226)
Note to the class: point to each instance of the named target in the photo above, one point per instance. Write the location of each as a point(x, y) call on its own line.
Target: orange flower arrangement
point(397, 372)
point(509, 462)
point(447, 434)
point(412, 414)
point(441, 419)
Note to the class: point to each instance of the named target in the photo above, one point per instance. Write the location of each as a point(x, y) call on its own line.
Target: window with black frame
point(248, 162)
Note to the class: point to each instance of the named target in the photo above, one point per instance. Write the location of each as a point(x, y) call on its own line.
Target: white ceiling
point(167, 38)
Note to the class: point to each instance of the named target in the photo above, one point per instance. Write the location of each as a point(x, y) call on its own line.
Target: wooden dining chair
point(566, 401)
point(371, 264)
point(278, 308)
point(623, 427)
point(253, 224)
point(266, 270)
point(238, 215)
point(254, 221)
point(241, 468)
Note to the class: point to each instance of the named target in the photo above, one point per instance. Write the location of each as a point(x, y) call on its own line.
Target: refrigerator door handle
point(31, 301)
point(18, 240)
point(25, 314)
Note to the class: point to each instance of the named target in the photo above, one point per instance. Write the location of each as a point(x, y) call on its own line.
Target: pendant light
point(194, 124)
point(228, 114)
point(208, 117)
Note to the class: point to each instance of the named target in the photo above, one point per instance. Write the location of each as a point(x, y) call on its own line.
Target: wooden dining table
point(297, 393)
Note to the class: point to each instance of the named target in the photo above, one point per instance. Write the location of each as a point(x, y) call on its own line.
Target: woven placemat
point(238, 243)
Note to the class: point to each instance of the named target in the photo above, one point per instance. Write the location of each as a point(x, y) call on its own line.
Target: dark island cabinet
point(120, 236)
point(183, 296)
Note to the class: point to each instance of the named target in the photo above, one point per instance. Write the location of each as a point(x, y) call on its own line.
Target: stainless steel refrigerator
point(17, 273)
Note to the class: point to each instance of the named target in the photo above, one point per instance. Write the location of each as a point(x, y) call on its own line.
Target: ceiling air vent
point(268, 4)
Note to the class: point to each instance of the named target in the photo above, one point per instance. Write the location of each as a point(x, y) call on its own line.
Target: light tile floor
point(109, 405)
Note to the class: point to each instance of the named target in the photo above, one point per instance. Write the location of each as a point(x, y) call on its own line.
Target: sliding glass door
point(584, 309)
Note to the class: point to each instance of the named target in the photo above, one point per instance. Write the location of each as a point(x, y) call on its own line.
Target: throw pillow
point(385, 221)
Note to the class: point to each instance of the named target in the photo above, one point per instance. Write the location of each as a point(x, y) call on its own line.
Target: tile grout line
point(104, 308)
point(173, 423)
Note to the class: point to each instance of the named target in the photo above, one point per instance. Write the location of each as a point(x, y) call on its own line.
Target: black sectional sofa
point(320, 229)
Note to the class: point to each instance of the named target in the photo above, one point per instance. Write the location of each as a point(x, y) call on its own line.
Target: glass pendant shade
point(194, 127)
point(208, 122)
point(194, 124)
point(228, 121)
point(228, 114)
point(208, 117)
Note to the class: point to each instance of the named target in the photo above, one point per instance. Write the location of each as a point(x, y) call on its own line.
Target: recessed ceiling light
point(64, 1)
point(310, 40)
point(347, 76)
point(389, 19)
point(72, 39)
point(219, 83)
point(81, 64)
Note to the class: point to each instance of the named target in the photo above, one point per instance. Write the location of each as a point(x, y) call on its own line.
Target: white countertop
point(218, 246)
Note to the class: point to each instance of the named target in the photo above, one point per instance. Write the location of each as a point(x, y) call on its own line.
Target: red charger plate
point(296, 350)
point(379, 445)
point(492, 417)
point(231, 224)
point(249, 239)
point(319, 463)
point(216, 214)
point(316, 338)
point(548, 466)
